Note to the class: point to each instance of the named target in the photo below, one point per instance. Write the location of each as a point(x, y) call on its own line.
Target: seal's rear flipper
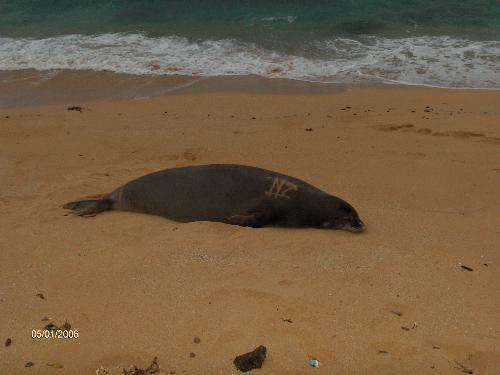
point(89, 207)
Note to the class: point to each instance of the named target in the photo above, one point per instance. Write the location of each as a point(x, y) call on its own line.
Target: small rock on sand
point(252, 360)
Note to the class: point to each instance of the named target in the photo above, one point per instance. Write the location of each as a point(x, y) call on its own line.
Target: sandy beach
point(417, 293)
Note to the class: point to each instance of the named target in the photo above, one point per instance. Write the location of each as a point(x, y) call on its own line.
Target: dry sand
point(393, 300)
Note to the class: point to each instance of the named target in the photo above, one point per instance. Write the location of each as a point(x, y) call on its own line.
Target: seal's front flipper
point(89, 207)
point(244, 220)
point(252, 218)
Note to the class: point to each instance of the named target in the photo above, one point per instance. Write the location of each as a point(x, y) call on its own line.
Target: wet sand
point(417, 293)
point(22, 88)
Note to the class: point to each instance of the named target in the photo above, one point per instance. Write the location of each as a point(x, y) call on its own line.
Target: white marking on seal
point(276, 189)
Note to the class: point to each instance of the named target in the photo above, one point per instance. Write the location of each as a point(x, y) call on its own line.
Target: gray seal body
point(233, 194)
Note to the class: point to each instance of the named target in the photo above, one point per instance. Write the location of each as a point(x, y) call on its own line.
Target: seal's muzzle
point(355, 225)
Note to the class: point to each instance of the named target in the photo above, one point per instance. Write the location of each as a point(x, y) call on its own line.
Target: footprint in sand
point(451, 133)
point(191, 155)
point(396, 127)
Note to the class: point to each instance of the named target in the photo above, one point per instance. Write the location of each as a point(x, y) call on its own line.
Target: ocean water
point(447, 43)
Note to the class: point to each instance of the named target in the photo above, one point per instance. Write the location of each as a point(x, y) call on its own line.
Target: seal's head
point(345, 217)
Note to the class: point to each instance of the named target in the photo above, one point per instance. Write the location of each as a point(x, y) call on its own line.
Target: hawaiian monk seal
point(233, 194)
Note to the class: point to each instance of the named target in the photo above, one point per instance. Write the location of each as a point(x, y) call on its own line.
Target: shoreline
point(28, 88)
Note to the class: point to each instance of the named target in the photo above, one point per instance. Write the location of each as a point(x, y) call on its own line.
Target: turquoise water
point(432, 42)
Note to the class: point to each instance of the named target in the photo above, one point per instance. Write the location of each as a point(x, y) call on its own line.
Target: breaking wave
point(437, 61)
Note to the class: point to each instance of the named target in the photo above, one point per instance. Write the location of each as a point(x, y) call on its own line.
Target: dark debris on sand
point(464, 369)
point(75, 108)
point(54, 327)
point(252, 360)
point(153, 368)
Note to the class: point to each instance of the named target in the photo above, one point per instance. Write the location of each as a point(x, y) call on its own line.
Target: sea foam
point(438, 61)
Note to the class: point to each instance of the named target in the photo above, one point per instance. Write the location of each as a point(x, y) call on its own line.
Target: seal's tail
point(89, 207)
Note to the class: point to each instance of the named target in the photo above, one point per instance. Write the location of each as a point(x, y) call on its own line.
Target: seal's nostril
point(363, 226)
point(358, 224)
